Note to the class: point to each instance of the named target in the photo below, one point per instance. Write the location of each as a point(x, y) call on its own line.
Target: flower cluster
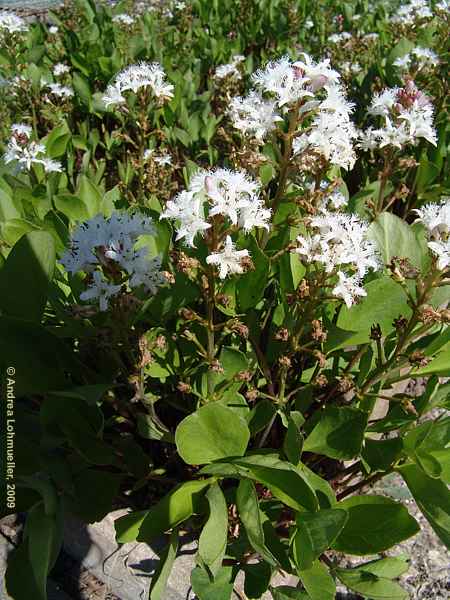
point(332, 132)
point(134, 78)
point(25, 153)
point(230, 69)
point(159, 159)
point(104, 248)
point(123, 19)
point(340, 244)
point(339, 38)
point(303, 84)
point(422, 58)
point(291, 81)
point(436, 219)
point(59, 90)
point(60, 69)
point(253, 115)
point(408, 116)
point(411, 12)
point(220, 194)
point(12, 23)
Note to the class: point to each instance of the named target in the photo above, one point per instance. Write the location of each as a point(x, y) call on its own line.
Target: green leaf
point(94, 494)
point(338, 433)
point(318, 582)
point(44, 534)
point(220, 588)
point(41, 359)
point(257, 579)
point(82, 89)
point(374, 579)
point(379, 455)
point(26, 275)
point(71, 206)
point(57, 140)
point(321, 487)
point(213, 538)
point(37, 553)
point(293, 440)
point(375, 524)
point(90, 196)
point(260, 415)
point(232, 362)
point(399, 50)
point(170, 511)
point(211, 433)
point(287, 482)
point(283, 592)
point(250, 286)
point(439, 365)
point(385, 301)
point(394, 237)
point(127, 527)
point(249, 513)
point(390, 568)
point(432, 497)
point(162, 571)
point(315, 533)
point(423, 439)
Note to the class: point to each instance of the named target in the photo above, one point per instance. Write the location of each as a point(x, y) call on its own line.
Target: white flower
point(135, 77)
point(100, 240)
point(403, 62)
point(53, 29)
point(123, 19)
point(50, 165)
point(229, 261)
point(441, 249)
point(335, 200)
point(383, 102)
point(425, 57)
point(113, 96)
point(339, 240)
point(318, 74)
point(436, 218)
point(22, 129)
point(60, 69)
point(27, 153)
point(408, 116)
point(283, 80)
point(232, 194)
point(62, 91)
point(147, 273)
point(413, 11)
point(395, 135)
point(348, 288)
point(419, 120)
point(188, 210)
point(443, 6)
point(12, 23)
point(254, 215)
point(338, 38)
point(230, 69)
point(332, 132)
point(253, 115)
point(164, 159)
point(100, 290)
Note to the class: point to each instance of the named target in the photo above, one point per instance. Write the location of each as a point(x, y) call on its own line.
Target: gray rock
point(127, 569)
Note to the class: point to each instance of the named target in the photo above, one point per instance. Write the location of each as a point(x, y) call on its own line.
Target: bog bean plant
point(225, 271)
